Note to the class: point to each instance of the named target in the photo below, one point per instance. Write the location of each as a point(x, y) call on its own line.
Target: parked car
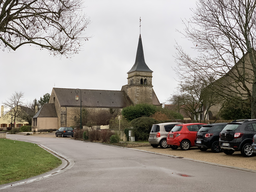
point(238, 136)
point(183, 135)
point(159, 132)
point(208, 137)
point(254, 144)
point(65, 131)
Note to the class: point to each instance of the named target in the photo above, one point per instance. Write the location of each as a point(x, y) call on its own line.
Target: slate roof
point(91, 98)
point(47, 110)
point(140, 64)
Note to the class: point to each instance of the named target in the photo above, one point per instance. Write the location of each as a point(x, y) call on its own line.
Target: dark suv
point(208, 137)
point(237, 136)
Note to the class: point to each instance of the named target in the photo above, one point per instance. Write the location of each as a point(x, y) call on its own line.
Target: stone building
point(65, 103)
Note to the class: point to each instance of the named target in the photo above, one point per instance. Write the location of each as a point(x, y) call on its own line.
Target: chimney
point(2, 110)
point(36, 108)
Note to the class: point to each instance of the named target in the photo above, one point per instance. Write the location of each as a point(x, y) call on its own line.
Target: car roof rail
point(243, 120)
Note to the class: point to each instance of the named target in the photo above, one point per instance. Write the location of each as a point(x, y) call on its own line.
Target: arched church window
point(145, 81)
point(141, 81)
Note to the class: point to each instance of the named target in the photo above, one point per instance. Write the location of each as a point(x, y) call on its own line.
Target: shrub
point(8, 128)
point(15, 130)
point(114, 139)
point(94, 135)
point(26, 128)
point(139, 110)
point(142, 127)
point(78, 133)
point(105, 135)
point(169, 113)
point(85, 135)
point(1, 129)
point(236, 109)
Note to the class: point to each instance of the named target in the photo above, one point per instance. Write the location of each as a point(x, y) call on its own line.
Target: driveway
point(236, 160)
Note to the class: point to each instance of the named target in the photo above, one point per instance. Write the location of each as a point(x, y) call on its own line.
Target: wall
point(46, 123)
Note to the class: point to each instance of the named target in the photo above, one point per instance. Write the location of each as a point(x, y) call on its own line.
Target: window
point(141, 81)
point(145, 81)
point(250, 127)
point(193, 128)
point(168, 128)
point(155, 128)
point(176, 128)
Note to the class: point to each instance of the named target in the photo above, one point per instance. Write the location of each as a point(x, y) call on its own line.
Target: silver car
point(159, 132)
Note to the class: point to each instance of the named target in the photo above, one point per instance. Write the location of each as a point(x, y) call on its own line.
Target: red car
point(183, 135)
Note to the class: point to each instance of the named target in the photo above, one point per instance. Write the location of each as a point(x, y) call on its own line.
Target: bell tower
point(139, 88)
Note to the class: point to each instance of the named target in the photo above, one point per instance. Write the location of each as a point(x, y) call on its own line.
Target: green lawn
point(21, 160)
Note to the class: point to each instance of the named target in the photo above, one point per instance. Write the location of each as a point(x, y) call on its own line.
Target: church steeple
point(140, 64)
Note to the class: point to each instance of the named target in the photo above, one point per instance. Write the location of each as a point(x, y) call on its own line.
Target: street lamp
point(77, 98)
point(11, 122)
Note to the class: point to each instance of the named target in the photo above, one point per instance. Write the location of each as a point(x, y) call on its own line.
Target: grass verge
point(21, 160)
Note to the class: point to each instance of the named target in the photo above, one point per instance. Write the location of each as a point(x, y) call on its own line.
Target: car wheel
point(185, 144)
point(228, 152)
point(56, 135)
point(247, 150)
point(202, 149)
point(215, 147)
point(155, 146)
point(174, 147)
point(163, 144)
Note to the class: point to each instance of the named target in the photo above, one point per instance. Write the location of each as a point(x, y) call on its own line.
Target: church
point(65, 103)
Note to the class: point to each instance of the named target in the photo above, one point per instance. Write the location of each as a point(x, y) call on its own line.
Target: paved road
point(99, 167)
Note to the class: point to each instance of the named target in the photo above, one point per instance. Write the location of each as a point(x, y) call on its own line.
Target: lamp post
point(11, 122)
point(77, 98)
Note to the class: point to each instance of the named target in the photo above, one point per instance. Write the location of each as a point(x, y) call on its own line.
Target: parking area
point(235, 160)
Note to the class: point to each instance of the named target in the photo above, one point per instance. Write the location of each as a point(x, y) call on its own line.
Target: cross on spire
point(140, 25)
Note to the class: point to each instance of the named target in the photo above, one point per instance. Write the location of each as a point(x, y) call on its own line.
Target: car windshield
point(212, 128)
point(205, 129)
point(155, 128)
point(230, 127)
point(176, 128)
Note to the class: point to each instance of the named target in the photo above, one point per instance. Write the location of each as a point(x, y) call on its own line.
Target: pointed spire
point(140, 64)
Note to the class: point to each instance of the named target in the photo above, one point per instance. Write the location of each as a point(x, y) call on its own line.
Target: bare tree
point(223, 31)
point(14, 104)
point(56, 25)
point(195, 98)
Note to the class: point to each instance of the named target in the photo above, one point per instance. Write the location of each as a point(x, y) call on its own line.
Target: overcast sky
point(105, 59)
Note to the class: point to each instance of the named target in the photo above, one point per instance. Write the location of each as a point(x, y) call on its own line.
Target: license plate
point(225, 144)
point(170, 136)
point(198, 141)
point(69, 131)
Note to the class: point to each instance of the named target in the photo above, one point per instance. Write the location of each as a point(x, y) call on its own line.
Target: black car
point(238, 136)
point(65, 131)
point(208, 137)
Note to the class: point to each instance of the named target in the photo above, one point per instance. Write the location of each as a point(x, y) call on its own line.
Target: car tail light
point(158, 135)
point(207, 135)
point(64, 131)
point(237, 135)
